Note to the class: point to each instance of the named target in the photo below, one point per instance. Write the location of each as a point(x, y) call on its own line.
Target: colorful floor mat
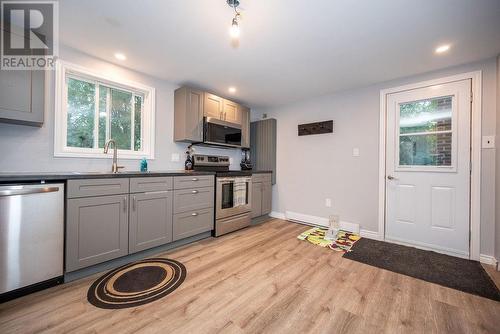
point(342, 243)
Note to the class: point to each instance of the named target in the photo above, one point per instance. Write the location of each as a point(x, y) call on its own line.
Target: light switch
point(176, 157)
point(488, 142)
point(355, 152)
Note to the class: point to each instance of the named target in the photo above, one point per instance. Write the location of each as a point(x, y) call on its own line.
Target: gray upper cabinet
point(245, 126)
point(22, 97)
point(263, 145)
point(188, 120)
point(231, 112)
point(213, 106)
point(150, 220)
point(96, 230)
point(191, 105)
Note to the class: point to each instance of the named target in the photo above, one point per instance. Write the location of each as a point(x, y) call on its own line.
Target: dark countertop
point(261, 171)
point(62, 176)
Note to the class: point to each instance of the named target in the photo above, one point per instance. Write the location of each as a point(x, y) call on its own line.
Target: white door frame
point(475, 186)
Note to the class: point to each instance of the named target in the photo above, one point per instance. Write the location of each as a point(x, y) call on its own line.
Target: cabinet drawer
point(145, 184)
point(187, 182)
point(193, 222)
point(97, 187)
point(193, 199)
point(262, 177)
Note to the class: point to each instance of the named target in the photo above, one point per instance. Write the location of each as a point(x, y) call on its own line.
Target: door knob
point(390, 177)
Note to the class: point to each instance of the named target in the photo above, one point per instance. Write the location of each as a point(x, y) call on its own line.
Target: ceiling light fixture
point(232, 90)
point(234, 31)
point(120, 56)
point(443, 48)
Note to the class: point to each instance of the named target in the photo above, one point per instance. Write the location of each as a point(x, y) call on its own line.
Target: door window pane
point(425, 150)
point(425, 132)
point(121, 118)
point(425, 116)
point(80, 108)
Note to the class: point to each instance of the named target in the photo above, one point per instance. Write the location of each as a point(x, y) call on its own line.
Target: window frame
point(66, 70)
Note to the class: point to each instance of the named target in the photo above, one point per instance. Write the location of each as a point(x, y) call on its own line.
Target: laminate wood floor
point(263, 280)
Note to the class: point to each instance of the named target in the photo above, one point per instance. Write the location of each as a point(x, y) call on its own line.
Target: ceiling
point(288, 50)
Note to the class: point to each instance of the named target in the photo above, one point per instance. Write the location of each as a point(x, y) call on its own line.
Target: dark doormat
point(460, 274)
point(136, 283)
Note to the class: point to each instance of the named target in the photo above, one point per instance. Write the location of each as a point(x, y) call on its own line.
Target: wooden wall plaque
point(316, 128)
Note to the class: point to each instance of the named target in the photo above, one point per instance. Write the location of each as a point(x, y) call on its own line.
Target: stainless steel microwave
point(219, 132)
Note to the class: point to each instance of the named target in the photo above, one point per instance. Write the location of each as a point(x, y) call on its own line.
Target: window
point(425, 132)
point(92, 109)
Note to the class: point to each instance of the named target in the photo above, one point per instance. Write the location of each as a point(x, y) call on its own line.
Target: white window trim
point(60, 121)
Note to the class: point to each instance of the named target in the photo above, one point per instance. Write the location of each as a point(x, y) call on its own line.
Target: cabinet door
point(22, 97)
point(96, 230)
point(194, 115)
point(256, 199)
point(231, 112)
point(213, 106)
point(266, 197)
point(150, 220)
point(245, 127)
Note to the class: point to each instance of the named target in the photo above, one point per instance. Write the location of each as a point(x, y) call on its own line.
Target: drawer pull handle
point(194, 191)
point(194, 179)
point(194, 214)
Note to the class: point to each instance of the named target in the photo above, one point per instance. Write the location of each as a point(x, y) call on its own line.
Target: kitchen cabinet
point(231, 112)
point(245, 126)
point(261, 194)
point(22, 96)
point(150, 220)
point(263, 145)
point(188, 120)
point(192, 105)
point(213, 106)
point(112, 217)
point(256, 199)
point(96, 230)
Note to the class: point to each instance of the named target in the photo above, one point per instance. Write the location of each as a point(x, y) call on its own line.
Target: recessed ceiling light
point(120, 56)
point(232, 90)
point(442, 48)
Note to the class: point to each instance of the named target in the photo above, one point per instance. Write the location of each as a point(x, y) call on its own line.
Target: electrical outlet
point(355, 152)
point(176, 157)
point(231, 161)
point(328, 202)
point(488, 142)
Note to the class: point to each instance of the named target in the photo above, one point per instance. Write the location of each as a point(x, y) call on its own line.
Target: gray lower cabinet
point(190, 223)
point(261, 194)
point(256, 199)
point(96, 230)
point(150, 220)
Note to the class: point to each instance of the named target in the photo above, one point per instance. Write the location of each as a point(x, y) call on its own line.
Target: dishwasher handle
point(15, 191)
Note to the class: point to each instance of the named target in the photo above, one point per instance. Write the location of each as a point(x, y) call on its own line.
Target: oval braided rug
point(136, 283)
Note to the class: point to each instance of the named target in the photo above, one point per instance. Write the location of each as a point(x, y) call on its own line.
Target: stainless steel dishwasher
point(31, 237)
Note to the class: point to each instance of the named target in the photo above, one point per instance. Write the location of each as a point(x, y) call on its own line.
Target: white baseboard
point(370, 235)
point(277, 215)
point(488, 259)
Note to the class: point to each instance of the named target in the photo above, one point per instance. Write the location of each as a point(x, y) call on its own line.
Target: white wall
point(25, 148)
point(313, 168)
point(497, 244)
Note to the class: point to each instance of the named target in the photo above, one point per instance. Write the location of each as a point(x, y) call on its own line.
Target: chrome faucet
point(114, 166)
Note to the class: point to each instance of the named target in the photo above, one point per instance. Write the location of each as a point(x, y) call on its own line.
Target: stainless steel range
point(233, 202)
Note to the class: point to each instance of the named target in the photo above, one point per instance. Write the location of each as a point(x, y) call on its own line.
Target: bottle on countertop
point(144, 165)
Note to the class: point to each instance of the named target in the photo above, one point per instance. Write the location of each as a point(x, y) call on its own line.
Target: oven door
point(218, 132)
point(233, 196)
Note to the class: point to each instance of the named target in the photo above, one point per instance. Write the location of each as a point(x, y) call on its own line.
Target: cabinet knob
point(194, 214)
point(194, 179)
point(194, 191)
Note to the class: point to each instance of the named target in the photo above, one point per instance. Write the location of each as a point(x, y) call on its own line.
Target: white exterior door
point(428, 167)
